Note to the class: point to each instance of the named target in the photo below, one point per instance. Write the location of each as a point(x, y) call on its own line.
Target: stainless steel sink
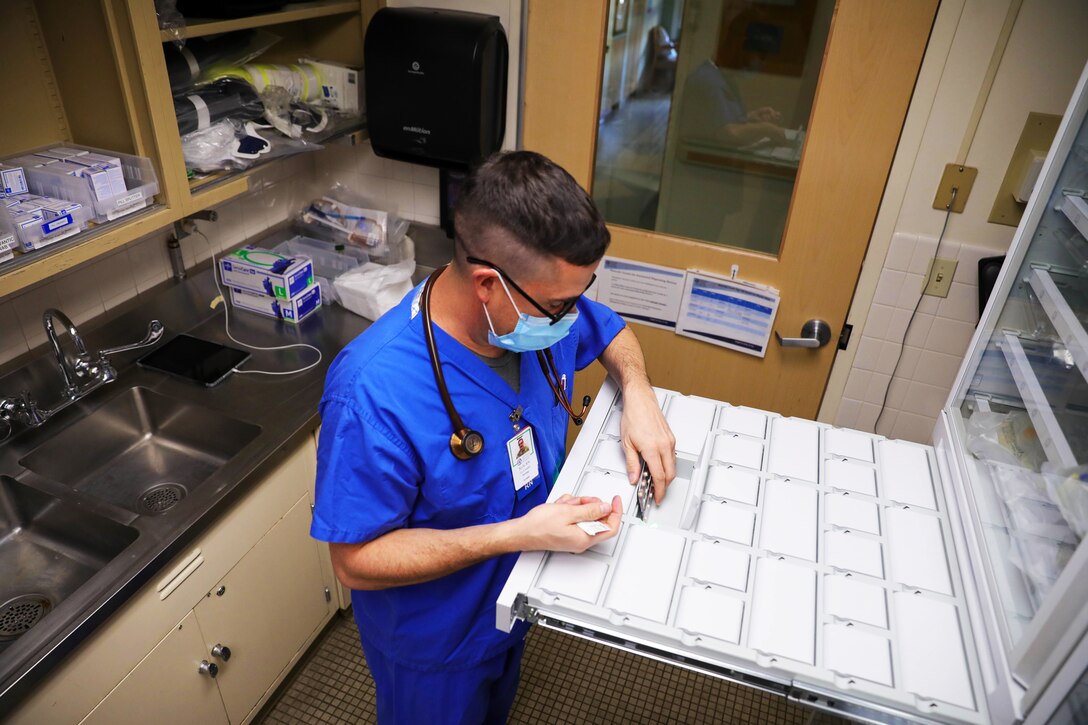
point(48, 548)
point(142, 451)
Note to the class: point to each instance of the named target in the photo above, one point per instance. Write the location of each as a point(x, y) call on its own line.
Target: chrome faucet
point(82, 374)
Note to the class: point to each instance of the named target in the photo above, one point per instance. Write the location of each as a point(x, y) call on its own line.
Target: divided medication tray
point(789, 555)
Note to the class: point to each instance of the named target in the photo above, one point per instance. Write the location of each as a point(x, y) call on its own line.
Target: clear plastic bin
point(8, 242)
point(330, 260)
point(33, 234)
point(139, 175)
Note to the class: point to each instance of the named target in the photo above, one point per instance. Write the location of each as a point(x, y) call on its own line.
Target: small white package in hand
point(372, 289)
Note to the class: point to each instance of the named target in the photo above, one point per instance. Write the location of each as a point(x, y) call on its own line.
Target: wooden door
point(871, 61)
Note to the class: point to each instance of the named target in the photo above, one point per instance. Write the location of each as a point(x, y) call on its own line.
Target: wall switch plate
point(962, 178)
point(939, 277)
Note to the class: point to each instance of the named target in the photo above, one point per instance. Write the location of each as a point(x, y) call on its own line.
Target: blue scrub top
point(384, 463)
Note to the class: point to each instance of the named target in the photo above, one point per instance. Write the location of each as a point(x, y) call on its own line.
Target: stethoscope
point(467, 442)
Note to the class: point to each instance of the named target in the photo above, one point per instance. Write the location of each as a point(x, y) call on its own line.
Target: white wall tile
point(401, 196)
point(401, 171)
point(961, 303)
point(909, 363)
point(900, 252)
point(949, 336)
point(924, 249)
point(910, 291)
point(897, 326)
point(426, 200)
point(424, 175)
point(924, 399)
point(12, 341)
point(28, 310)
point(847, 417)
point(919, 330)
point(867, 416)
point(878, 386)
point(857, 384)
point(868, 353)
point(914, 427)
point(150, 263)
point(936, 368)
point(887, 289)
point(889, 356)
point(79, 297)
point(879, 321)
point(113, 274)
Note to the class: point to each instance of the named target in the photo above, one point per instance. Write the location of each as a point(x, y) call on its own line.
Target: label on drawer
point(710, 613)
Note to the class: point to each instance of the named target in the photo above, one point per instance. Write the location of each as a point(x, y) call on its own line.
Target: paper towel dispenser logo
point(415, 69)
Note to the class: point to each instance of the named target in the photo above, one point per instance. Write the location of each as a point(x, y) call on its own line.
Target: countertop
point(284, 407)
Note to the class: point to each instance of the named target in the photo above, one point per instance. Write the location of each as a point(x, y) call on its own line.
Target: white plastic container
point(330, 260)
point(8, 242)
point(139, 179)
point(36, 227)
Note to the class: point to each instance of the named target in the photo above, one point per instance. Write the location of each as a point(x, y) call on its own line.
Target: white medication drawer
point(787, 554)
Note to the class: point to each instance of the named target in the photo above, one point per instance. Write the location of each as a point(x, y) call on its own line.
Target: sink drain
point(161, 498)
point(21, 613)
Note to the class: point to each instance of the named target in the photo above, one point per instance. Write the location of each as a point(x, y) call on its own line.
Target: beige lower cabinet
point(143, 665)
point(271, 604)
point(164, 688)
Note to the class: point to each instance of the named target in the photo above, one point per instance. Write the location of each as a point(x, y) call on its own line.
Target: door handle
point(814, 333)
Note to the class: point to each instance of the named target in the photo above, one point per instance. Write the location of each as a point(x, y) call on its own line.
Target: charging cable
point(226, 327)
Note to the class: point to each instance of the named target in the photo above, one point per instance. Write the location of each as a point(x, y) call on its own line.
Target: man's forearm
point(412, 556)
point(624, 361)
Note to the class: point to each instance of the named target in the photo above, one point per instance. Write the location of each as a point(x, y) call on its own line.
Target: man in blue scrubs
point(426, 539)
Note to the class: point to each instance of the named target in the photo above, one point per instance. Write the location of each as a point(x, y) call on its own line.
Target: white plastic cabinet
point(274, 578)
point(882, 580)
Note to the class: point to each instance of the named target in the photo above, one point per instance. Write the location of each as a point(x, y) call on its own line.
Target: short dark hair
point(536, 202)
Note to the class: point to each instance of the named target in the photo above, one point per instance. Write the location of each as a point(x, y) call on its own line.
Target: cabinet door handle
point(221, 652)
point(208, 668)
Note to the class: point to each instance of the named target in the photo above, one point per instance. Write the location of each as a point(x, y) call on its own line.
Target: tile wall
point(935, 341)
point(279, 190)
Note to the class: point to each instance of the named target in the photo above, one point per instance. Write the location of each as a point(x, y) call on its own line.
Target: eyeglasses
point(553, 316)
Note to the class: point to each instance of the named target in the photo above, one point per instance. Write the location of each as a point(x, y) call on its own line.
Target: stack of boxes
point(271, 284)
point(38, 221)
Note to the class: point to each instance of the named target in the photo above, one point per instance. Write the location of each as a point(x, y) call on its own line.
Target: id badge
point(524, 464)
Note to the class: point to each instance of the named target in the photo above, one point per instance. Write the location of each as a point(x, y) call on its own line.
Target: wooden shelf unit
point(293, 12)
point(107, 86)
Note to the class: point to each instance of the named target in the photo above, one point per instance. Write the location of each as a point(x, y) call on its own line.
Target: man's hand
point(643, 430)
point(766, 113)
point(554, 526)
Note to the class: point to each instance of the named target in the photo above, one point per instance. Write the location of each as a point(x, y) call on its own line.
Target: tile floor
point(564, 680)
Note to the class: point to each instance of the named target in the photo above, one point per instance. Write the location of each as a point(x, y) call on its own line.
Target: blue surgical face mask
point(530, 333)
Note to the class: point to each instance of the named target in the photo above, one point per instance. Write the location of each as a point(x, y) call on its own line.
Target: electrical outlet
point(939, 277)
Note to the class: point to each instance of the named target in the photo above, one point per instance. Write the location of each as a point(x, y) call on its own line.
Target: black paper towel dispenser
point(435, 85)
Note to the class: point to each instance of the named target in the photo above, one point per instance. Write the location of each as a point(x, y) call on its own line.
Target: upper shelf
point(198, 27)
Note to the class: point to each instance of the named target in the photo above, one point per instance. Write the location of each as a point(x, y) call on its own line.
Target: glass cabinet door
point(1022, 400)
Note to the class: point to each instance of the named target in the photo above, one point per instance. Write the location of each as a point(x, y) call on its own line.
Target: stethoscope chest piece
point(466, 443)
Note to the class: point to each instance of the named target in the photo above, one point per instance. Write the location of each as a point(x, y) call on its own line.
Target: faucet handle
point(155, 330)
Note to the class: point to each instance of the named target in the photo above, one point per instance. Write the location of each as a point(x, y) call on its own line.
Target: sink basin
point(48, 548)
point(142, 451)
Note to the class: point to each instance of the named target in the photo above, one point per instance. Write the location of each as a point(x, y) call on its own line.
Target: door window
point(704, 110)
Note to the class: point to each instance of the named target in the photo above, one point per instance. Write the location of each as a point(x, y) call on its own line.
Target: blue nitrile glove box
point(254, 269)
